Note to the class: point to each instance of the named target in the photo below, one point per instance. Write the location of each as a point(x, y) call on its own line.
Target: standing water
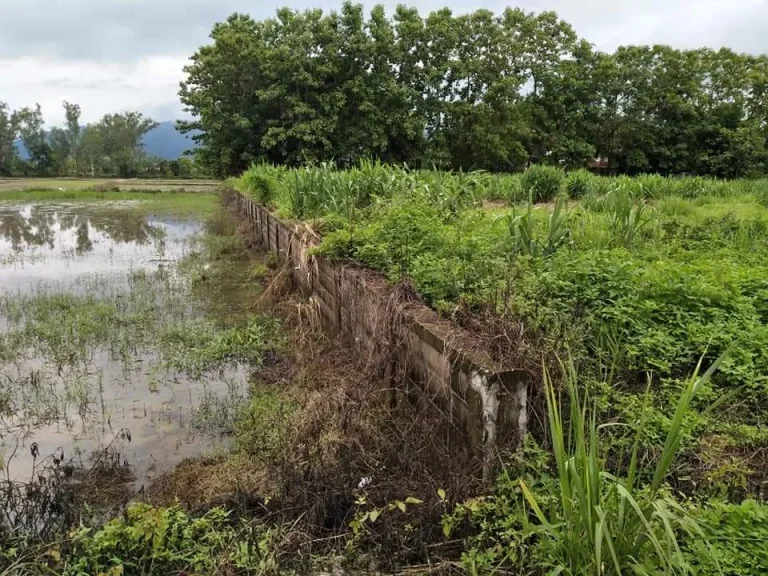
point(116, 335)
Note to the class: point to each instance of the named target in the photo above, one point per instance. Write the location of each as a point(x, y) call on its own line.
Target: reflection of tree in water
point(39, 227)
point(22, 231)
point(84, 243)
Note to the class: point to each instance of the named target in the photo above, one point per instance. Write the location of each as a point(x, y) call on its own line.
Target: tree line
point(110, 147)
point(473, 91)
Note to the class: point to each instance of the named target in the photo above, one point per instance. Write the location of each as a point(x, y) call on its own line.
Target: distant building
point(598, 165)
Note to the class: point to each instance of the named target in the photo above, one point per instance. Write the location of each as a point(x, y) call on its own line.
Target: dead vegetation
point(63, 491)
point(358, 442)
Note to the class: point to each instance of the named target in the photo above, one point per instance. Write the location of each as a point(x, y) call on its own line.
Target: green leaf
point(447, 529)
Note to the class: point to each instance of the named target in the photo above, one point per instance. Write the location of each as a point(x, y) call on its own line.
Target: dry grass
point(358, 432)
point(198, 483)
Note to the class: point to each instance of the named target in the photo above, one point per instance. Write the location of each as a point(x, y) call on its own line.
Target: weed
point(579, 184)
point(542, 183)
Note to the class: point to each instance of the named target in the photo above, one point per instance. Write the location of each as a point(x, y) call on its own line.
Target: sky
point(118, 55)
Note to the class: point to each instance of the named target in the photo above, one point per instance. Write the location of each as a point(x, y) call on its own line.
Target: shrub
point(542, 183)
point(150, 540)
point(579, 183)
point(738, 534)
point(260, 182)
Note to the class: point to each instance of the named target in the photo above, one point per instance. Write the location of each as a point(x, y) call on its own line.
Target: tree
point(471, 91)
point(91, 149)
point(30, 122)
point(120, 138)
point(9, 130)
point(59, 150)
point(73, 131)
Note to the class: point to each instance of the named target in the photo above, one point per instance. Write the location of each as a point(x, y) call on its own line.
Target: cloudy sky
point(116, 55)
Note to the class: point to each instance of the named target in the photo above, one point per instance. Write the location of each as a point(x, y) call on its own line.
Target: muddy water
point(64, 269)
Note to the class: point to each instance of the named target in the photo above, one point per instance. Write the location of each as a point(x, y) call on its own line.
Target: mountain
point(167, 142)
point(161, 142)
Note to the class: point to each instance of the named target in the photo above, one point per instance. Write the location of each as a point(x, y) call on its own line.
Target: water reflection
point(43, 224)
point(57, 389)
point(59, 241)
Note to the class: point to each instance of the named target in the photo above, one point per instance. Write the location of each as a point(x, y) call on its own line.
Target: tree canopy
point(469, 91)
point(110, 147)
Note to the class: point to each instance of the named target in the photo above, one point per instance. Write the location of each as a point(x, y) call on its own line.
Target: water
point(86, 291)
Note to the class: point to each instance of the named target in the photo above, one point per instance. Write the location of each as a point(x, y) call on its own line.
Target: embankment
point(441, 364)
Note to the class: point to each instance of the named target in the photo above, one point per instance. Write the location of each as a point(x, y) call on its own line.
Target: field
point(103, 184)
point(150, 357)
point(636, 284)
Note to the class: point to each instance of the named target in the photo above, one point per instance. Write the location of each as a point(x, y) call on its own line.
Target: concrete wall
point(436, 357)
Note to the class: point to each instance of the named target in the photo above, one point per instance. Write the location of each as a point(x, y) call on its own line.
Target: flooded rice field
point(122, 336)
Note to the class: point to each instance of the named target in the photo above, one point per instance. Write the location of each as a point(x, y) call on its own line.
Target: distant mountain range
point(167, 142)
point(161, 142)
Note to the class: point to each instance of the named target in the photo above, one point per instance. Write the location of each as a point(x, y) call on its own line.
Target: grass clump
point(603, 522)
point(579, 511)
point(542, 183)
point(198, 346)
point(263, 426)
point(579, 183)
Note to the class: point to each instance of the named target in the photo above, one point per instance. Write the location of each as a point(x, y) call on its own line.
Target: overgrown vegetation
point(73, 355)
point(647, 465)
point(634, 281)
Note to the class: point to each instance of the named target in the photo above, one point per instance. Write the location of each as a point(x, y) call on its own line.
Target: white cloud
point(148, 85)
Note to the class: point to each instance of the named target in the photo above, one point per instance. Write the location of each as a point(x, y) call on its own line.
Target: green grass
point(638, 276)
point(21, 184)
point(581, 511)
point(604, 522)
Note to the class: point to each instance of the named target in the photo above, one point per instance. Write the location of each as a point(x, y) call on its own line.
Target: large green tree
point(9, 130)
point(30, 122)
point(468, 91)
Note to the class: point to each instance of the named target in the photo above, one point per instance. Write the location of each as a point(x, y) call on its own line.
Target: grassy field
point(68, 184)
point(632, 281)
point(177, 202)
point(641, 305)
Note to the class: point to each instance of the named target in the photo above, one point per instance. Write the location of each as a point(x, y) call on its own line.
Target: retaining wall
point(441, 365)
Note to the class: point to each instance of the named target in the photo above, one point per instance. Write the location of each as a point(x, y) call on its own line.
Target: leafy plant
point(579, 183)
point(542, 183)
point(602, 522)
point(627, 218)
point(735, 539)
point(152, 540)
point(261, 182)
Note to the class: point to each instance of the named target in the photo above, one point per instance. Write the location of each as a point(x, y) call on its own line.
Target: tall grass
point(313, 191)
point(601, 522)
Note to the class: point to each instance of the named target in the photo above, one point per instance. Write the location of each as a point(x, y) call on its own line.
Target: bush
point(542, 183)
point(259, 183)
point(579, 183)
point(737, 543)
point(152, 540)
